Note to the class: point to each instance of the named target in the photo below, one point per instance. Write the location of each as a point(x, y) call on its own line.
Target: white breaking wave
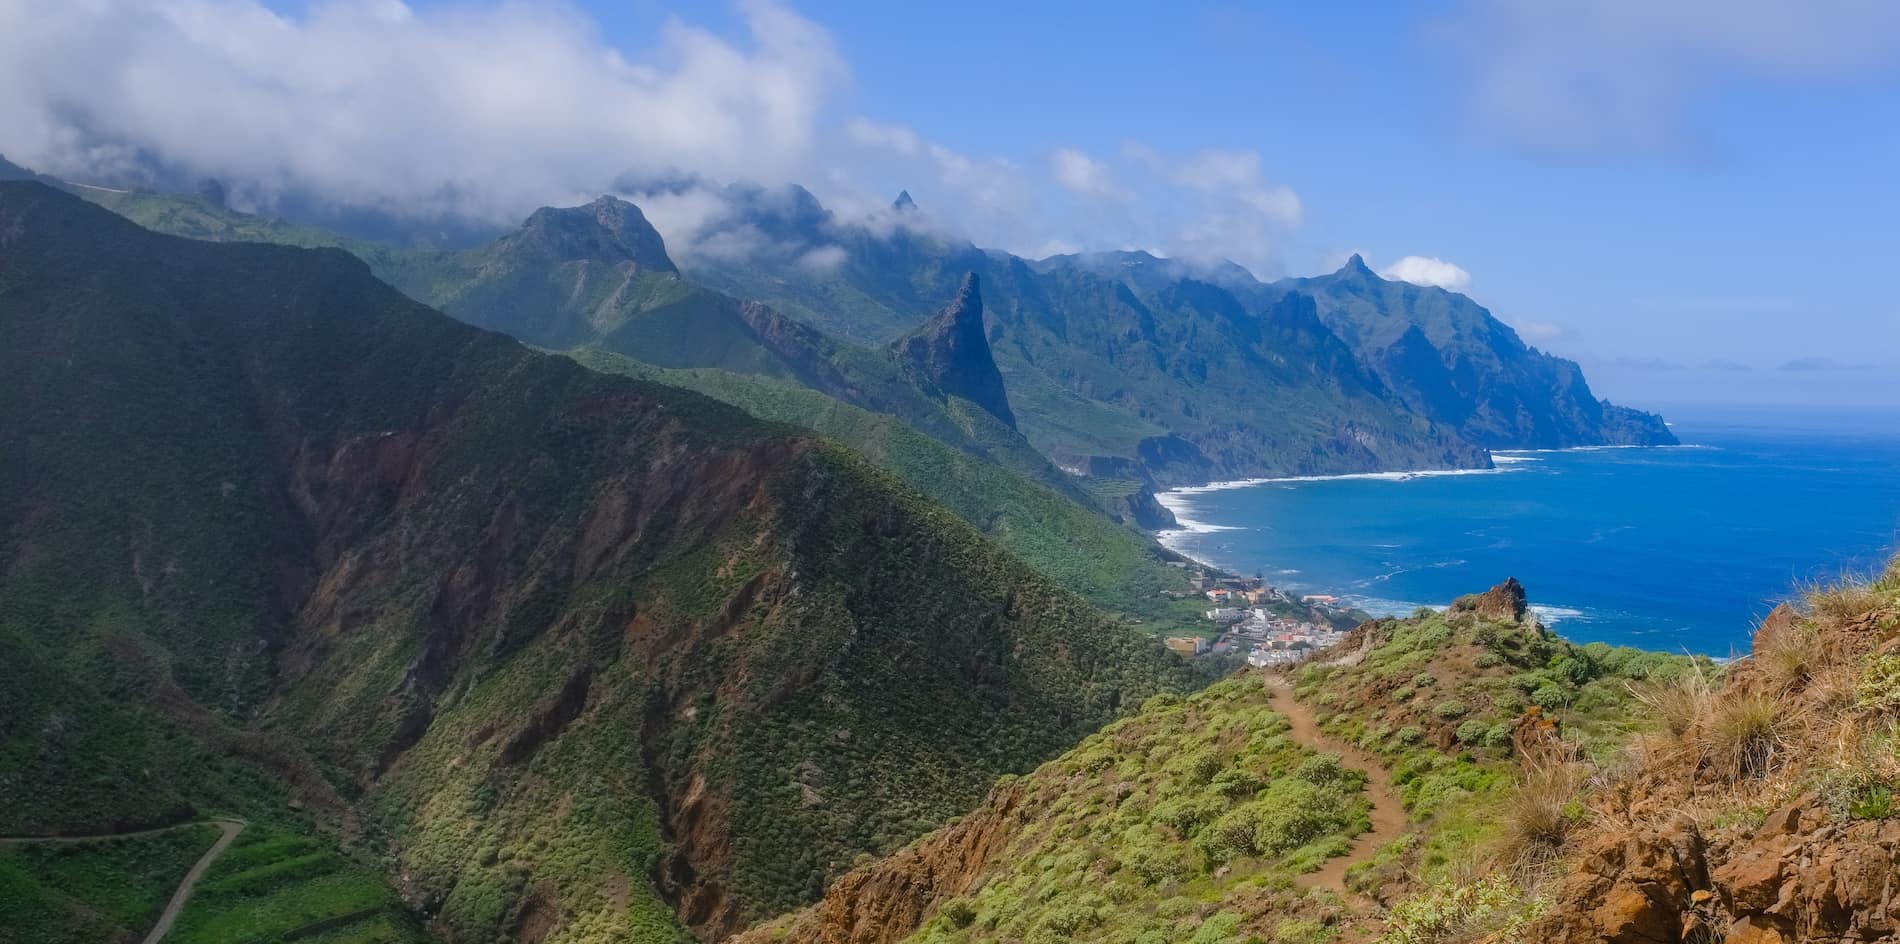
point(1551, 615)
point(1499, 455)
point(1342, 477)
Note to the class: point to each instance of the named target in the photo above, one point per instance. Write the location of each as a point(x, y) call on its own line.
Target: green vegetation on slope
point(1478, 714)
point(276, 885)
point(1111, 565)
point(1193, 819)
point(540, 628)
point(1180, 823)
point(92, 891)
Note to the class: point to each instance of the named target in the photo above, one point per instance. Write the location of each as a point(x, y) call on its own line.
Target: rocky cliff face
point(1764, 810)
point(951, 354)
point(888, 902)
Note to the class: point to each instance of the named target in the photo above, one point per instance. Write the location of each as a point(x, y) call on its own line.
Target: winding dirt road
point(1388, 817)
point(231, 828)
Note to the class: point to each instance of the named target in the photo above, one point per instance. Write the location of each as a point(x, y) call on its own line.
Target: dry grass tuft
point(1680, 704)
point(1539, 814)
point(1787, 652)
point(1746, 733)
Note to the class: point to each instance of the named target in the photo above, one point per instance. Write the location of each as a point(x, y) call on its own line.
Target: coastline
point(1179, 502)
point(1173, 499)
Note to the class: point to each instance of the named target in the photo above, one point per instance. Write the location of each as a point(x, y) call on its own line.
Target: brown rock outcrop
point(1505, 602)
point(1800, 876)
point(889, 899)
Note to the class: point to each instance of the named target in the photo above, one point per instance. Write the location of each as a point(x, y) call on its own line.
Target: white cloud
point(486, 109)
point(483, 111)
point(1084, 175)
point(895, 138)
point(1602, 76)
point(1423, 270)
point(823, 259)
point(1537, 332)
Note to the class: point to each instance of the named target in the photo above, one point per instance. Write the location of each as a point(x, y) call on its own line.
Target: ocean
point(1674, 548)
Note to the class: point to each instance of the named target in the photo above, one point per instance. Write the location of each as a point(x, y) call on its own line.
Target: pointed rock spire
point(1356, 266)
point(903, 203)
point(950, 354)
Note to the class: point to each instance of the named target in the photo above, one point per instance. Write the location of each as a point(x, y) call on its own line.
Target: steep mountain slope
point(1195, 819)
point(1553, 792)
point(950, 354)
point(1111, 565)
point(583, 653)
point(1170, 825)
point(1456, 364)
point(1173, 380)
point(1461, 370)
point(598, 276)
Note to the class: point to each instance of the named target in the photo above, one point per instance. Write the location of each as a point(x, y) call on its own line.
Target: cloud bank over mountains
point(484, 111)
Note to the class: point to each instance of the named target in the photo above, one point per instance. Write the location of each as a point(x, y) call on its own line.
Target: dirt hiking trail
point(1388, 817)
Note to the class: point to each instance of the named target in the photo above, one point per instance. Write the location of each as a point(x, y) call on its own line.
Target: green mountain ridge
point(1453, 362)
point(598, 276)
point(574, 652)
point(1410, 407)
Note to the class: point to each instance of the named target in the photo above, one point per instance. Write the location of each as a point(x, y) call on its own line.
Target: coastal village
point(1269, 625)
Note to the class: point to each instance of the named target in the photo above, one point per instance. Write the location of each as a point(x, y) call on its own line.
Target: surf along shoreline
point(1179, 502)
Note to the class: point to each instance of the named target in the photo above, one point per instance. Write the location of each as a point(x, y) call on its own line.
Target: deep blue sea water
point(1681, 548)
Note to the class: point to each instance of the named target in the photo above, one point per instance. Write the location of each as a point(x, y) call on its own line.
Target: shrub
point(1302, 931)
point(1423, 680)
point(959, 913)
point(1404, 692)
point(1324, 770)
point(1294, 813)
point(1185, 813)
point(1491, 907)
point(1409, 734)
point(1551, 695)
point(1450, 708)
point(1570, 669)
point(1487, 660)
point(1222, 928)
point(1235, 783)
point(1879, 685)
point(1473, 732)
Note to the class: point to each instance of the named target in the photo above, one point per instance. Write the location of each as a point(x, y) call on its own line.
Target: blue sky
point(1684, 195)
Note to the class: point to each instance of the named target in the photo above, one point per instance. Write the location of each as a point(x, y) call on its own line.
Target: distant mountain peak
point(903, 203)
point(607, 230)
point(951, 353)
point(1356, 266)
